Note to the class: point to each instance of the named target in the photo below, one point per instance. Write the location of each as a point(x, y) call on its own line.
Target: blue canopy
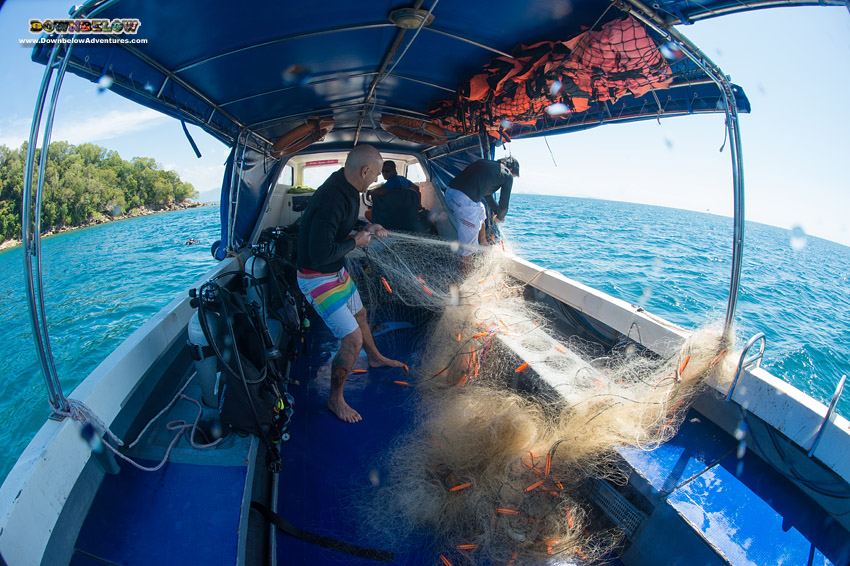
point(252, 73)
point(268, 66)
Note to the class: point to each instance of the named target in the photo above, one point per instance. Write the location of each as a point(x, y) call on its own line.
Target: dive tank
point(205, 359)
point(258, 292)
point(258, 288)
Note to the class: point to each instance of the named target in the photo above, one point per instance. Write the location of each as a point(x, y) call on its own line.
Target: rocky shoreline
point(104, 218)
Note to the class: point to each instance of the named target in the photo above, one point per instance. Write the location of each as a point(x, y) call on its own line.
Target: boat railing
point(31, 225)
point(746, 363)
point(650, 18)
point(835, 397)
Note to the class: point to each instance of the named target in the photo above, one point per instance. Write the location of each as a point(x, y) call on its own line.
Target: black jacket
point(483, 178)
point(323, 238)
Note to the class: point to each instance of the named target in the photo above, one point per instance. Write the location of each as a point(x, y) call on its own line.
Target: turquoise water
point(677, 264)
point(102, 283)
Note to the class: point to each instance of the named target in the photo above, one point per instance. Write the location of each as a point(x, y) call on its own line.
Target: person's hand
point(362, 238)
point(496, 218)
point(377, 230)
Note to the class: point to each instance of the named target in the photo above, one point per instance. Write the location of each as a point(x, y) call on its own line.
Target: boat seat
point(743, 508)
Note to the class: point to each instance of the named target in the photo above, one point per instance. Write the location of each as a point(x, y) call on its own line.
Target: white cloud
point(205, 174)
point(14, 131)
point(203, 177)
point(83, 129)
point(109, 125)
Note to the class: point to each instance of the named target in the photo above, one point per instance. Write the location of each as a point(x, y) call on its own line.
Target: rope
point(167, 407)
point(81, 413)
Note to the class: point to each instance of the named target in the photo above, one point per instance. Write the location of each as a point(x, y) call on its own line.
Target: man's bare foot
point(340, 408)
point(384, 361)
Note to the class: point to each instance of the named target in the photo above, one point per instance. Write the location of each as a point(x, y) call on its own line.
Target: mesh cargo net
point(556, 78)
point(515, 417)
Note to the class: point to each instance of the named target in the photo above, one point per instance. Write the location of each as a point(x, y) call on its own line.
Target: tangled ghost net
point(498, 463)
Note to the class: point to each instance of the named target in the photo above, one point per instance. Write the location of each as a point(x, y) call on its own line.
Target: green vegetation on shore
point(85, 183)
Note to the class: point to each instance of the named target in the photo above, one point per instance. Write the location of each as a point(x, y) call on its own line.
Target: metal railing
point(649, 17)
point(745, 363)
point(829, 411)
point(31, 212)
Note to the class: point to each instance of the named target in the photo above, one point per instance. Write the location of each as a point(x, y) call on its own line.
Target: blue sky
point(793, 63)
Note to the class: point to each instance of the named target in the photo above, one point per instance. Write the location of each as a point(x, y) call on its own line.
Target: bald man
point(323, 242)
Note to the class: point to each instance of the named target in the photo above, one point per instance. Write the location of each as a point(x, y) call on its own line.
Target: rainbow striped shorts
point(334, 297)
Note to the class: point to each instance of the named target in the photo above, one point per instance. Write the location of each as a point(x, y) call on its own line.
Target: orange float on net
point(717, 358)
point(684, 364)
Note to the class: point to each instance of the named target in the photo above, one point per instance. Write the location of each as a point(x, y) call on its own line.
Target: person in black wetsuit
point(466, 195)
point(323, 242)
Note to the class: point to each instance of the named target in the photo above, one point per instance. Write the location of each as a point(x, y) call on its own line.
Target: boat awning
point(266, 68)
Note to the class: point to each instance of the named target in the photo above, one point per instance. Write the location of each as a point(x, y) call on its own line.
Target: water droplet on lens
point(505, 123)
point(454, 246)
point(556, 87)
point(374, 477)
point(455, 295)
point(296, 74)
point(799, 240)
point(557, 109)
point(671, 51)
point(742, 449)
point(103, 83)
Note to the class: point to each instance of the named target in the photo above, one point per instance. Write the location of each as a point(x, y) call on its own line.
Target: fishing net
point(516, 416)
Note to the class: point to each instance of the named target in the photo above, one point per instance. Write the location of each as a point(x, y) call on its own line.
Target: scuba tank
point(259, 292)
point(253, 392)
point(205, 361)
point(258, 289)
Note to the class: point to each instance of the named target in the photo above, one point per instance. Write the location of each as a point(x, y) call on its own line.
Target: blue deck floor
point(329, 465)
point(751, 513)
point(181, 514)
point(748, 511)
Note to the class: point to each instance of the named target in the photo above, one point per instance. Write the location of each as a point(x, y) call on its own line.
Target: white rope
point(167, 407)
point(81, 413)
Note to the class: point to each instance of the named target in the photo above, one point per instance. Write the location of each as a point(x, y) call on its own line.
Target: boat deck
point(330, 467)
point(745, 510)
point(742, 511)
point(181, 514)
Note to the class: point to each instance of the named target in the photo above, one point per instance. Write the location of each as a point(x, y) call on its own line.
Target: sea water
point(102, 283)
